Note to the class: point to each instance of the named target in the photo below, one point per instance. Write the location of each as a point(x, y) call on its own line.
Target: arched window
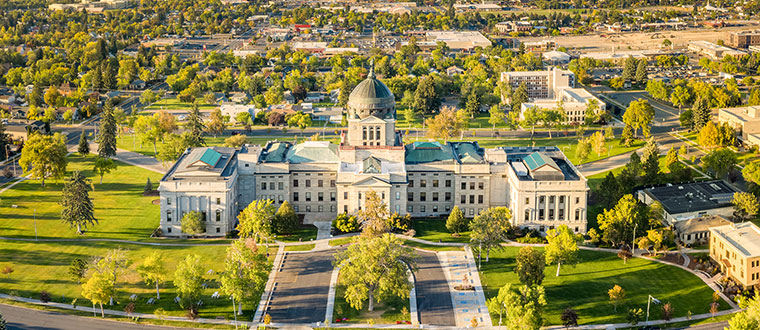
point(218, 215)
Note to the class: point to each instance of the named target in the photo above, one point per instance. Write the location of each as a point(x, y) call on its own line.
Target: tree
point(103, 166)
point(235, 141)
point(617, 224)
point(285, 220)
point(243, 118)
point(531, 117)
point(496, 116)
point(256, 220)
point(444, 125)
point(84, 146)
point(598, 143)
point(188, 278)
point(562, 247)
point(656, 238)
point(751, 173)
point(76, 203)
point(173, 147)
point(99, 288)
point(629, 69)
point(583, 149)
point(701, 112)
point(686, 119)
point(167, 123)
point(651, 161)
point(472, 106)
point(375, 268)
point(374, 216)
point(215, 124)
point(641, 72)
point(680, 97)
point(77, 269)
point(195, 127)
point(107, 132)
point(667, 311)
point(522, 306)
point(749, 319)
point(635, 315)
point(193, 223)
point(626, 138)
point(708, 136)
point(671, 158)
point(153, 271)
point(519, 97)
point(569, 318)
point(456, 222)
point(300, 120)
point(530, 266)
point(246, 271)
point(489, 229)
point(426, 98)
point(609, 191)
point(591, 114)
point(148, 129)
point(639, 114)
point(720, 161)
point(345, 223)
point(746, 205)
point(44, 156)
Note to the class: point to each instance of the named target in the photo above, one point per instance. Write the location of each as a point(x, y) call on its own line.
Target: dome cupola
point(371, 98)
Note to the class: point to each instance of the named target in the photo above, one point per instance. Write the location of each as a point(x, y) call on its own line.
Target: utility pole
point(35, 225)
point(633, 244)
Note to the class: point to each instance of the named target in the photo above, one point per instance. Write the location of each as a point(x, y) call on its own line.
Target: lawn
point(303, 247)
point(584, 287)
point(30, 210)
point(303, 234)
point(387, 311)
point(340, 241)
point(434, 230)
point(431, 247)
point(44, 267)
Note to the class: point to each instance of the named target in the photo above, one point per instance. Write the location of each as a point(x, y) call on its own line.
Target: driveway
point(433, 296)
point(302, 287)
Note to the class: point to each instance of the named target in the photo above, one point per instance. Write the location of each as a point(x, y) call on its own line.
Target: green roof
point(427, 152)
point(537, 159)
point(468, 152)
point(371, 165)
point(276, 152)
point(209, 157)
point(313, 151)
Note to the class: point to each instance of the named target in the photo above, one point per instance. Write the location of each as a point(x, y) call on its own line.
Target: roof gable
point(372, 182)
point(372, 165)
point(536, 160)
point(209, 158)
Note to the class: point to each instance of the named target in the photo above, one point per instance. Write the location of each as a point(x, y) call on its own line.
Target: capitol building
point(424, 179)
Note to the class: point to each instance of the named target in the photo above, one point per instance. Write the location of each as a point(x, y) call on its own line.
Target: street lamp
point(650, 300)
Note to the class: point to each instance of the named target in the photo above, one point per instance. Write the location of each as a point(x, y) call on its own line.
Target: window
point(423, 183)
point(218, 230)
point(577, 214)
point(481, 185)
point(295, 196)
point(551, 214)
point(435, 183)
point(320, 208)
point(435, 196)
point(561, 214)
point(411, 183)
point(447, 196)
point(551, 199)
point(345, 195)
point(308, 196)
point(464, 185)
point(527, 215)
point(472, 212)
point(169, 216)
point(435, 208)
point(280, 185)
point(541, 214)
point(472, 199)
point(527, 200)
point(319, 183)
point(218, 215)
point(203, 216)
point(577, 200)
point(409, 208)
point(410, 196)
point(463, 199)
point(448, 183)
point(271, 186)
point(480, 199)
point(398, 195)
point(345, 208)
point(308, 208)
point(169, 230)
point(279, 199)
point(423, 196)
point(295, 183)
point(541, 200)
point(320, 196)
point(263, 186)
point(332, 208)
point(422, 208)
point(562, 199)
point(168, 201)
point(308, 183)
point(332, 183)
point(472, 185)
point(398, 209)
point(295, 208)
point(333, 196)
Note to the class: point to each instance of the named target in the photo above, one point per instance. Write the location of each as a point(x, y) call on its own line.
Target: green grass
point(303, 247)
point(430, 247)
point(387, 311)
point(176, 104)
point(340, 241)
point(44, 266)
point(434, 230)
point(121, 210)
point(584, 287)
point(304, 234)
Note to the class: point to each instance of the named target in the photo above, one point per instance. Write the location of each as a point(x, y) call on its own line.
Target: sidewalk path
point(467, 304)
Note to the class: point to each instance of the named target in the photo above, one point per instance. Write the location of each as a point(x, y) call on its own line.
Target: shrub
point(345, 223)
point(401, 223)
point(6, 270)
point(129, 308)
point(44, 297)
point(456, 223)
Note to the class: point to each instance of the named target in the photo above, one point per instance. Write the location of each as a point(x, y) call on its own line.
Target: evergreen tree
point(609, 191)
point(651, 161)
point(148, 186)
point(285, 220)
point(77, 205)
point(426, 98)
point(629, 69)
point(35, 99)
point(519, 97)
point(97, 78)
point(84, 145)
point(701, 112)
point(107, 132)
point(456, 223)
point(641, 72)
point(5, 140)
point(195, 127)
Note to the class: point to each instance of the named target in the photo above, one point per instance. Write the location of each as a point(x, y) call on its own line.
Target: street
point(19, 318)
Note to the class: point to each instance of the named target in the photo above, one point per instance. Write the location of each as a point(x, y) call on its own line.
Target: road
point(433, 296)
point(32, 319)
point(302, 287)
point(711, 326)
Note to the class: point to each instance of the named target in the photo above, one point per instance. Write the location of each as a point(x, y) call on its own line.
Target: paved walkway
point(467, 304)
point(132, 158)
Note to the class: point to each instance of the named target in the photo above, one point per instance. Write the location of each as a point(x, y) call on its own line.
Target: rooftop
point(428, 152)
point(275, 152)
point(206, 163)
point(700, 224)
point(744, 237)
point(694, 196)
point(313, 152)
point(525, 161)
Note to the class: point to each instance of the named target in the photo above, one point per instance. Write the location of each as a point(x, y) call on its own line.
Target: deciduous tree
point(103, 166)
point(746, 205)
point(44, 156)
point(255, 221)
point(562, 247)
point(456, 222)
point(153, 271)
point(246, 271)
point(489, 229)
point(285, 220)
point(215, 124)
point(530, 266)
point(193, 223)
point(188, 278)
point(720, 162)
point(617, 296)
point(374, 216)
